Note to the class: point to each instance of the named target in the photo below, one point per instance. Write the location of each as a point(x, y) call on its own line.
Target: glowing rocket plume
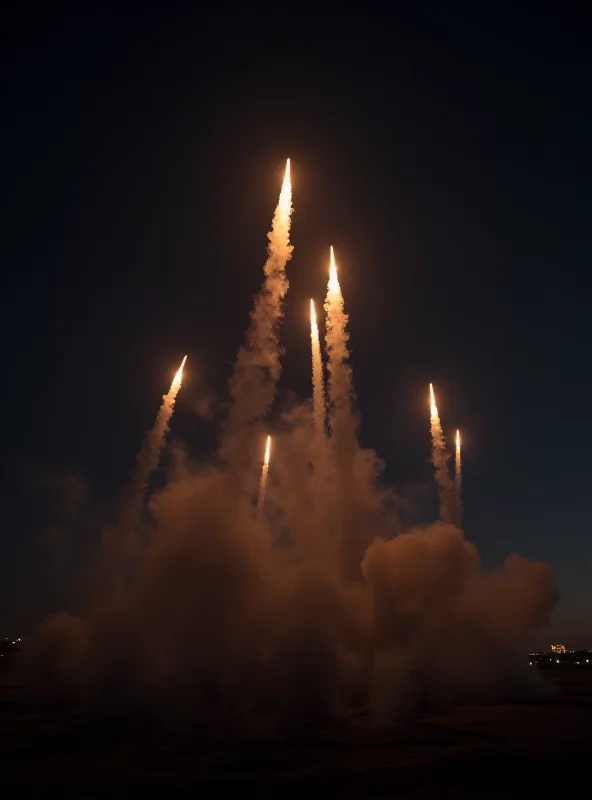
point(458, 482)
point(263, 483)
point(318, 389)
point(178, 376)
point(257, 368)
point(119, 543)
point(334, 287)
point(440, 461)
point(346, 513)
point(341, 418)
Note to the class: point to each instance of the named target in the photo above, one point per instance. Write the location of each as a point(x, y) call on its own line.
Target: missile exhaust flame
point(340, 387)
point(317, 379)
point(458, 482)
point(257, 368)
point(263, 482)
point(178, 375)
point(440, 461)
point(119, 542)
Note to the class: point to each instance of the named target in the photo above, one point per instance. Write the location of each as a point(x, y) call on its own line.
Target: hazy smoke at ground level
point(225, 626)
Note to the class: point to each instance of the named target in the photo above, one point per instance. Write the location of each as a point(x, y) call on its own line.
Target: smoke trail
point(440, 461)
point(347, 501)
point(341, 417)
point(257, 368)
point(263, 483)
point(458, 482)
point(119, 541)
point(318, 389)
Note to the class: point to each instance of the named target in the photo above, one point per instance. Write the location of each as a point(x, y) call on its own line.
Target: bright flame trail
point(263, 483)
point(318, 388)
point(119, 543)
point(257, 369)
point(440, 461)
point(342, 422)
point(458, 482)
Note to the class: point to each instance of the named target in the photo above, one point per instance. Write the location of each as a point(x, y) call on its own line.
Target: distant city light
point(558, 648)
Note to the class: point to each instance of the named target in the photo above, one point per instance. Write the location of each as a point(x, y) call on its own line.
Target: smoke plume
point(458, 482)
point(119, 542)
point(318, 383)
point(257, 368)
point(440, 458)
point(248, 626)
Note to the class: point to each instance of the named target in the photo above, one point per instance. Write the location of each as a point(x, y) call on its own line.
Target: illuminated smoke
point(348, 504)
point(119, 541)
point(440, 458)
point(238, 627)
point(342, 422)
point(257, 368)
point(318, 389)
point(458, 482)
point(263, 482)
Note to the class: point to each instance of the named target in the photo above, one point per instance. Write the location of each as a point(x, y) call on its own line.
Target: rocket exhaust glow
point(440, 461)
point(257, 368)
point(263, 482)
point(458, 482)
point(340, 389)
point(317, 379)
point(119, 543)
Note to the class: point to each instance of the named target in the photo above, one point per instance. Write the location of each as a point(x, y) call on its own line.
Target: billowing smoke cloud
point(262, 626)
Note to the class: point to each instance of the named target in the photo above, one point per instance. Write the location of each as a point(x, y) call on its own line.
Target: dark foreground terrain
point(492, 750)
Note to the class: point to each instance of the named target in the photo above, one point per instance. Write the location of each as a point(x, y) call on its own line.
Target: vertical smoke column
point(257, 369)
point(263, 483)
point(346, 512)
point(440, 462)
point(458, 482)
point(318, 389)
point(341, 417)
point(119, 542)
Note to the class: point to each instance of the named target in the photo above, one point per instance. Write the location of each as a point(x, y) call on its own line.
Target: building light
point(558, 648)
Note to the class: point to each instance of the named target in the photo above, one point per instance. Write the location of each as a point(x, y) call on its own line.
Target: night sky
point(444, 154)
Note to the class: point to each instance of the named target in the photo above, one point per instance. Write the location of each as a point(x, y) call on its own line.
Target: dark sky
point(445, 155)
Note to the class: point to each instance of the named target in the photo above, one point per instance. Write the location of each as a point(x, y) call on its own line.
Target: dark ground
point(491, 750)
